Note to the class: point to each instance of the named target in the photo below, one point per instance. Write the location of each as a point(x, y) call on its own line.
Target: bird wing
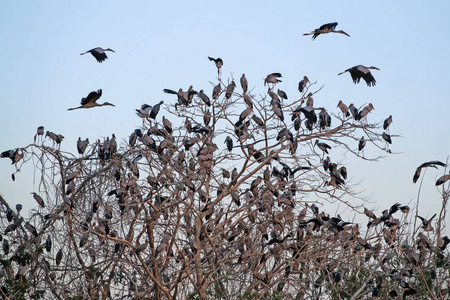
point(432, 163)
point(167, 91)
point(368, 77)
point(417, 174)
point(356, 75)
point(329, 26)
point(443, 179)
point(92, 97)
point(99, 54)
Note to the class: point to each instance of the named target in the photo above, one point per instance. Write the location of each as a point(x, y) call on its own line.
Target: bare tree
point(217, 198)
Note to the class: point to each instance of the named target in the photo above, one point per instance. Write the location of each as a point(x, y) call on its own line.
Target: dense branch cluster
point(217, 199)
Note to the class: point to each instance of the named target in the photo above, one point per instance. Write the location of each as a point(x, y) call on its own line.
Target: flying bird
point(432, 164)
point(326, 28)
point(361, 71)
point(91, 100)
point(99, 53)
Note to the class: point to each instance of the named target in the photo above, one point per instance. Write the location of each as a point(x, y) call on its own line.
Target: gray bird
point(38, 199)
point(244, 83)
point(219, 63)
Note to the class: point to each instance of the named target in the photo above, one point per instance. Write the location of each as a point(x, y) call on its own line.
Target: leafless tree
point(217, 198)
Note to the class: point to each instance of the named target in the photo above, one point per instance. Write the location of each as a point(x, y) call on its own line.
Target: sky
point(165, 44)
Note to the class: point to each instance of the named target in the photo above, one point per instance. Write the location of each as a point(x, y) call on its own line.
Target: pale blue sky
point(165, 45)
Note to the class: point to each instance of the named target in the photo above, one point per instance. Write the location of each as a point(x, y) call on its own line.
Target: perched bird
point(167, 125)
point(322, 146)
point(361, 71)
point(369, 213)
point(386, 137)
point(9, 215)
point(387, 122)
point(362, 143)
point(38, 199)
point(272, 78)
point(426, 224)
point(48, 244)
point(365, 111)
point(326, 28)
point(31, 228)
point(18, 207)
point(40, 132)
point(204, 98)
point(244, 83)
point(219, 63)
point(90, 100)
point(443, 179)
point(216, 91)
point(99, 53)
point(184, 98)
point(343, 108)
point(432, 164)
point(282, 94)
point(352, 108)
point(59, 256)
point(57, 138)
point(324, 119)
point(144, 112)
point(302, 84)
point(82, 145)
point(230, 90)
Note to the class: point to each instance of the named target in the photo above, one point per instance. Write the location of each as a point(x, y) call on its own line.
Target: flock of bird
point(185, 98)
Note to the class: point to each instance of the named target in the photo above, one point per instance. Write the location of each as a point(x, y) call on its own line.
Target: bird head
point(109, 49)
point(372, 67)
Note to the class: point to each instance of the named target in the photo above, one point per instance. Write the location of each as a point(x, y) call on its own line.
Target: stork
point(82, 145)
point(57, 138)
point(244, 83)
point(216, 91)
point(433, 164)
point(38, 199)
point(322, 146)
point(387, 122)
point(272, 78)
point(99, 53)
point(361, 71)
point(15, 155)
point(144, 112)
point(361, 144)
point(40, 132)
point(343, 108)
point(326, 28)
point(443, 179)
point(219, 63)
point(282, 94)
point(91, 100)
point(302, 84)
point(230, 90)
